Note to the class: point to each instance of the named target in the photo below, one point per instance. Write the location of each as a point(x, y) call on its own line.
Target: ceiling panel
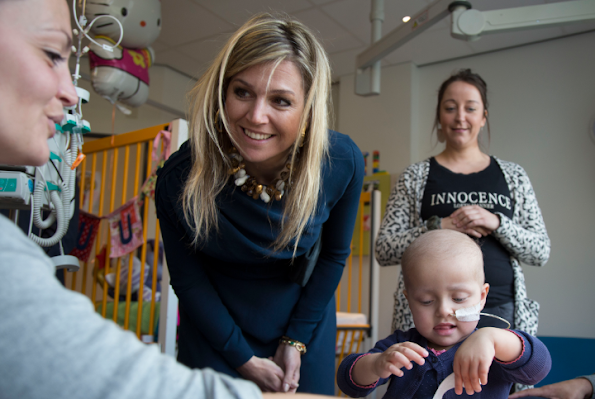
point(334, 37)
point(352, 15)
point(159, 46)
point(181, 62)
point(185, 21)
point(204, 49)
point(321, 2)
point(239, 11)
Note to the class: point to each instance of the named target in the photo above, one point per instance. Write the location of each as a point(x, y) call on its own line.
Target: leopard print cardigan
point(524, 236)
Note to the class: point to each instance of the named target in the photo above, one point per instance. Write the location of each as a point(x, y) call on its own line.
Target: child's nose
point(444, 309)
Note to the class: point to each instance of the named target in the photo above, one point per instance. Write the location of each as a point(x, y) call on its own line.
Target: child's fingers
point(471, 382)
point(399, 359)
point(464, 379)
point(474, 377)
point(484, 369)
point(458, 381)
point(415, 357)
point(413, 351)
point(412, 356)
point(395, 370)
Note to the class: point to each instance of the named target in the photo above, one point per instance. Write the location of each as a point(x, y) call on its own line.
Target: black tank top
point(447, 191)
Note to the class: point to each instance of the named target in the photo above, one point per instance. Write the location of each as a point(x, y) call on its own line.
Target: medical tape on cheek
point(468, 314)
point(472, 313)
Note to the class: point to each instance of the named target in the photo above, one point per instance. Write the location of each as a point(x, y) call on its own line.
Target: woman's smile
point(257, 136)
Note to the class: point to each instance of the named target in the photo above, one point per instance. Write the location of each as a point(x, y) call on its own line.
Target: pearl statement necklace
point(251, 187)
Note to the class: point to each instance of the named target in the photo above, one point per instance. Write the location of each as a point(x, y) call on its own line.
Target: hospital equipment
point(51, 187)
point(466, 24)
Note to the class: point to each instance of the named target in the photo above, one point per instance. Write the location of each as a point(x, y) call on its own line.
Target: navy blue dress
point(236, 297)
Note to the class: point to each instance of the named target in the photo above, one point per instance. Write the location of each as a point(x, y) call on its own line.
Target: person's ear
point(484, 295)
point(405, 293)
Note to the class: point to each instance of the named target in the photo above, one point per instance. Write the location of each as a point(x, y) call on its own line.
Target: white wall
point(382, 123)
point(542, 102)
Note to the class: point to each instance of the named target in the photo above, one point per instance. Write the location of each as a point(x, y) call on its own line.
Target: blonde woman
point(244, 201)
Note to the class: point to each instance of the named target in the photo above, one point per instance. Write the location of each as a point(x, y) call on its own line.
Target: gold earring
point(303, 136)
point(218, 122)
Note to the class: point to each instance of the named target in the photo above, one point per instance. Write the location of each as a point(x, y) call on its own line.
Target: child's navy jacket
point(422, 381)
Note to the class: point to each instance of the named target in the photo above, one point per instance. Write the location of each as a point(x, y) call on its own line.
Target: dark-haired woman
point(465, 189)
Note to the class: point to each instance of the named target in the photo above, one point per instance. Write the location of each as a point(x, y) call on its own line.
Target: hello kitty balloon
point(123, 74)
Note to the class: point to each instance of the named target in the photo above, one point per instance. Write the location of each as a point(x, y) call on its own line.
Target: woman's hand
point(289, 359)
point(473, 220)
point(477, 232)
point(579, 388)
point(264, 373)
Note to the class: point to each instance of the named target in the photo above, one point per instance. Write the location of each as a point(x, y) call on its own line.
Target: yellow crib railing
point(111, 174)
point(355, 293)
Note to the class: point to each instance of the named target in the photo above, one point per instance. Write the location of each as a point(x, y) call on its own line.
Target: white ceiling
point(194, 30)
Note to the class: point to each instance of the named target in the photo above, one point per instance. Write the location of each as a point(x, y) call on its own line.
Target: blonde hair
point(263, 39)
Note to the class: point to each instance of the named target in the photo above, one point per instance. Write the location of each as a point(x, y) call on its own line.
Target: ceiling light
point(406, 19)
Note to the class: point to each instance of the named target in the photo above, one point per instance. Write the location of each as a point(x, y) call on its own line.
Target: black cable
point(57, 171)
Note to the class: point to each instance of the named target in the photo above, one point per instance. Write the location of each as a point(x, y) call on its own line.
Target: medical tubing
point(62, 224)
point(88, 27)
point(38, 200)
point(70, 179)
point(496, 317)
point(32, 203)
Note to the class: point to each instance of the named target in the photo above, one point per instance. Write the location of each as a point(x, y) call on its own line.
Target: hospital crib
point(113, 172)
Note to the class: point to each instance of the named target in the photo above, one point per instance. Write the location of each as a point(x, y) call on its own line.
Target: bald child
point(446, 290)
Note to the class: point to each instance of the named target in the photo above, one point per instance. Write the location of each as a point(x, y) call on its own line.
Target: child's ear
point(484, 294)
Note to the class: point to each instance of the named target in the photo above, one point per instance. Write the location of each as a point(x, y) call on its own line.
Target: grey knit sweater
point(54, 345)
point(591, 379)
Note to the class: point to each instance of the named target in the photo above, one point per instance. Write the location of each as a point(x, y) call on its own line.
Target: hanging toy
point(122, 73)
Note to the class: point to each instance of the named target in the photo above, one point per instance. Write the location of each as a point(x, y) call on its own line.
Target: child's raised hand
point(474, 357)
point(369, 368)
point(472, 363)
point(398, 356)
